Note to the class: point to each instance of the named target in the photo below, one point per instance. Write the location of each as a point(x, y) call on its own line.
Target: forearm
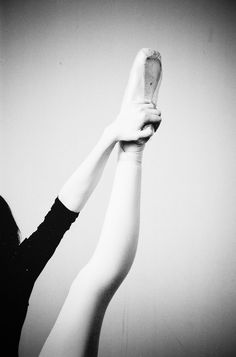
point(77, 190)
point(129, 126)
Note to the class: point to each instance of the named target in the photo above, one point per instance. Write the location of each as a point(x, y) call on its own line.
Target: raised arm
point(78, 188)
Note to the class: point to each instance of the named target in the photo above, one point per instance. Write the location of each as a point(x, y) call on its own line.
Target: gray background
point(64, 67)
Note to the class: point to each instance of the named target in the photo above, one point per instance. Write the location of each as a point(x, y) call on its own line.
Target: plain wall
point(64, 67)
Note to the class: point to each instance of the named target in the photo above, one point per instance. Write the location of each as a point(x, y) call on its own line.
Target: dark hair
point(9, 231)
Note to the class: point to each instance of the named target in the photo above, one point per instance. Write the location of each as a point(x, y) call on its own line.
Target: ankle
point(130, 152)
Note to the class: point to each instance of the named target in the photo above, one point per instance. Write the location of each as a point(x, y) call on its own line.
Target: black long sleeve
point(23, 268)
point(34, 252)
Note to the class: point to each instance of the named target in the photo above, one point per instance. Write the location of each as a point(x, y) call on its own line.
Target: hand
point(132, 122)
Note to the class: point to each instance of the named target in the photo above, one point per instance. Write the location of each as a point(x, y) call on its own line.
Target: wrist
point(110, 134)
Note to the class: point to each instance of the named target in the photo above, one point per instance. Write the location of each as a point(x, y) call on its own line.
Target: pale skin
point(77, 329)
point(77, 190)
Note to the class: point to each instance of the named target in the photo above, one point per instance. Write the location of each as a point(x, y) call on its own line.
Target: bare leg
point(77, 329)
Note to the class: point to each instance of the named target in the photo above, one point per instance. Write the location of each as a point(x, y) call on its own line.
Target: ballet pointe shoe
point(144, 80)
point(144, 77)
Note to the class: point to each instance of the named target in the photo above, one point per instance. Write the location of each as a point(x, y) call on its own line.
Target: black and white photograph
point(117, 178)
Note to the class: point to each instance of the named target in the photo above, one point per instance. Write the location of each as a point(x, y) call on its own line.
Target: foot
point(144, 78)
point(143, 86)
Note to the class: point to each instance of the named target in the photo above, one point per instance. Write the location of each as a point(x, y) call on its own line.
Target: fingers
point(148, 105)
point(148, 109)
point(154, 111)
point(146, 133)
point(151, 117)
point(137, 121)
point(156, 126)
